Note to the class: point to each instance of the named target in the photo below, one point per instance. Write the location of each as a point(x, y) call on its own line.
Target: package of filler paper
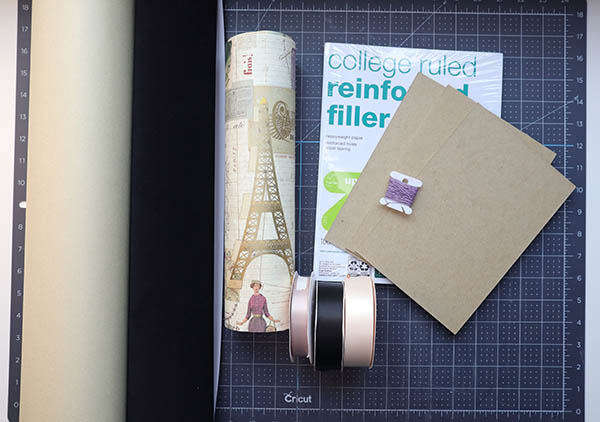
point(362, 88)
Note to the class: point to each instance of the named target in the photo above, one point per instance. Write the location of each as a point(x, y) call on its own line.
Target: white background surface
point(8, 55)
point(592, 327)
point(219, 195)
point(7, 100)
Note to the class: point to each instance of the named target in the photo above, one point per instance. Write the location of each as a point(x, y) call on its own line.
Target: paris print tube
point(260, 106)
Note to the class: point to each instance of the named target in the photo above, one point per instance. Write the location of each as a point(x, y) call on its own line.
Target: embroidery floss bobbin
point(401, 192)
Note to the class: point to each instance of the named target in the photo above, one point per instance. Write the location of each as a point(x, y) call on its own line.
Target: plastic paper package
point(362, 88)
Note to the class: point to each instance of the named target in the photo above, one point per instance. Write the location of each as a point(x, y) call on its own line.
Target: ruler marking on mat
point(19, 206)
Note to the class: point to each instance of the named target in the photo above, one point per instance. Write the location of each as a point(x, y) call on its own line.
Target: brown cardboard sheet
point(487, 191)
point(400, 127)
point(408, 142)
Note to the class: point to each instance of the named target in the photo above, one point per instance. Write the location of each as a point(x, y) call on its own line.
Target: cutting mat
point(15, 46)
point(520, 356)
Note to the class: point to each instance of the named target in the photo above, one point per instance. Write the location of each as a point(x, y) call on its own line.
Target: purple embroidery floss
point(401, 192)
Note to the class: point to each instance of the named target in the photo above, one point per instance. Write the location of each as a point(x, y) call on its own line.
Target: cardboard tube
point(260, 110)
point(76, 261)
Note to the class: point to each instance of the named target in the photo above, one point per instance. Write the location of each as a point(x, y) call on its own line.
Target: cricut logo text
point(291, 398)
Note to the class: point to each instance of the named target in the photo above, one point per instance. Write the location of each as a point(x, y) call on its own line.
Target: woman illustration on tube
point(257, 306)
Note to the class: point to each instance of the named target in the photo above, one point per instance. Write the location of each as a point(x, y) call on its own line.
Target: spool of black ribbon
point(329, 318)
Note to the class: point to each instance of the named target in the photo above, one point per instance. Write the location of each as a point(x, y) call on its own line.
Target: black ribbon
point(329, 317)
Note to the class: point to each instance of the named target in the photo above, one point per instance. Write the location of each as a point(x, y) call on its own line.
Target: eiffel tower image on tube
point(265, 199)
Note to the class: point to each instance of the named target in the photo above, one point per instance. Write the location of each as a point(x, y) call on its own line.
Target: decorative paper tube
point(259, 180)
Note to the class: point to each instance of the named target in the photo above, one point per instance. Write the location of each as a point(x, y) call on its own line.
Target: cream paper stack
point(488, 190)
